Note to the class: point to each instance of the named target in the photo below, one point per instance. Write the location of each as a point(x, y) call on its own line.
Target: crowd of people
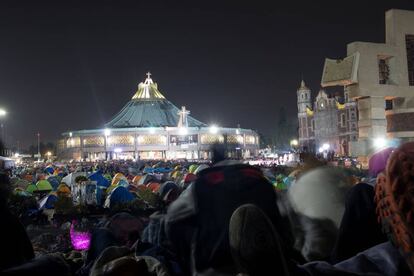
point(223, 217)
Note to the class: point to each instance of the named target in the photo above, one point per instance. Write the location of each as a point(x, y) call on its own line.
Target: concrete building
point(380, 78)
point(151, 127)
point(329, 123)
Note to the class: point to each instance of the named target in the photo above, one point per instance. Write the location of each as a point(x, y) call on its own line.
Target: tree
point(285, 131)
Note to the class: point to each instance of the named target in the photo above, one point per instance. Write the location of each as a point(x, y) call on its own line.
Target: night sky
point(67, 65)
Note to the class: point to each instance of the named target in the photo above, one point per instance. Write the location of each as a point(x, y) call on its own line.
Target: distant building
point(329, 123)
point(380, 78)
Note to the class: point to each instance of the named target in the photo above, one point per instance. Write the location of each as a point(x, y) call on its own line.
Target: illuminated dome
point(149, 108)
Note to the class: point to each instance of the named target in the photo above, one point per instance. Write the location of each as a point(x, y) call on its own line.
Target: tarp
point(118, 195)
point(48, 202)
point(100, 179)
point(44, 185)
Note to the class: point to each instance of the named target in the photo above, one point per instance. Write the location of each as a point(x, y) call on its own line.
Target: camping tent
point(54, 181)
point(117, 178)
point(70, 178)
point(100, 179)
point(200, 168)
point(118, 195)
point(43, 185)
point(7, 163)
point(154, 186)
point(21, 183)
point(192, 168)
point(136, 179)
point(49, 170)
point(63, 189)
point(147, 179)
point(31, 188)
point(48, 202)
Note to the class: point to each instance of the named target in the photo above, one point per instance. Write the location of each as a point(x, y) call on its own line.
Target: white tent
point(6, 163)
point(70, 178)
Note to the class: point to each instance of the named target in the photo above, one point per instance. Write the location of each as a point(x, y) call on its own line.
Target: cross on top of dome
point(148, 80)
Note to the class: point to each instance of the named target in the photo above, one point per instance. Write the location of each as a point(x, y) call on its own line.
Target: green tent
point(192, 168)
point(31, 188)
point(44, 185)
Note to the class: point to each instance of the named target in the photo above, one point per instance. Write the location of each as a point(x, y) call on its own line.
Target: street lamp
point(107, 132)
point(294, 143)
point(38, 147)
point(3, 113)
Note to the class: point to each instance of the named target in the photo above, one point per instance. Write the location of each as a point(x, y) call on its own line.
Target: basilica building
point(328, 123)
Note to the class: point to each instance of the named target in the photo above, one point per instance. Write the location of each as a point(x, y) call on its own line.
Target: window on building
point(388, 104)
point(343, 120)
point(383, 70)
point(409, 42)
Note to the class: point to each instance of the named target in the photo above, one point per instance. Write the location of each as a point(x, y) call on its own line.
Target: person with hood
point(394, 200)
point(197, 223)
point(359, 229)
point(16, 247)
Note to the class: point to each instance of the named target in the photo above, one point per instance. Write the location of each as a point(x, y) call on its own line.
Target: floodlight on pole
point(214, 129)
point(3, 112)
point(380, 142)
point(294, 143)
point(107, 132)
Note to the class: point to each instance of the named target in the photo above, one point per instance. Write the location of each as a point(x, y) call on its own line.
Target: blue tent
point(100, 179)
point(148, 170)
point(54, 181)
point(118, 195)
point(49, 170)
point(162, 170)
point(123, 183)
point(48, 202)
